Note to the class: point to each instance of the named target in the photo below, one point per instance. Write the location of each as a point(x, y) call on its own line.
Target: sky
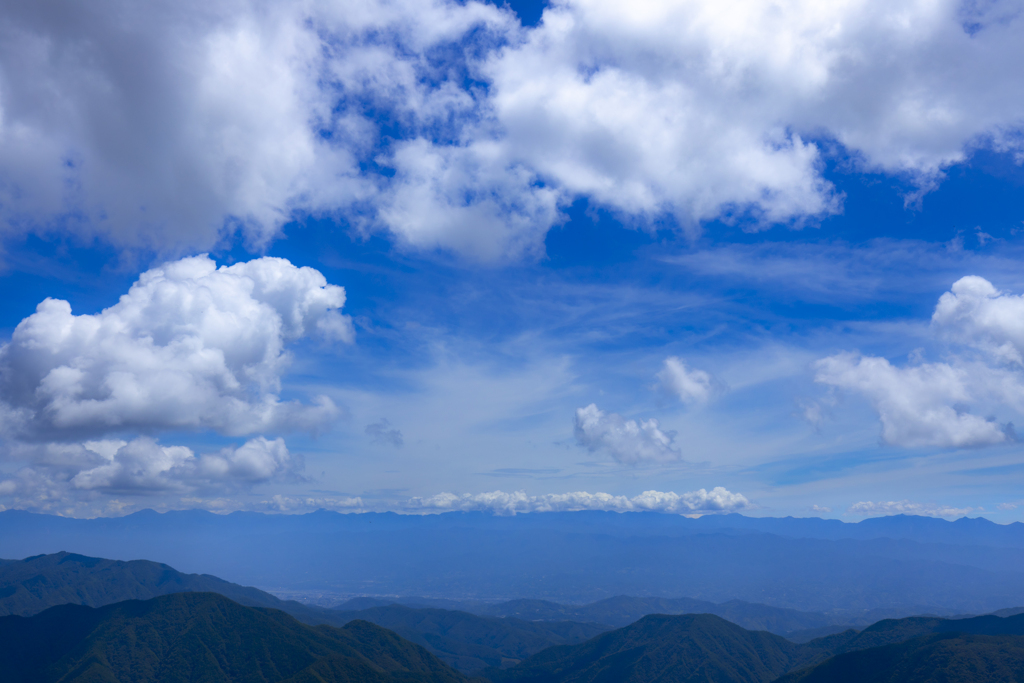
point(695, 257)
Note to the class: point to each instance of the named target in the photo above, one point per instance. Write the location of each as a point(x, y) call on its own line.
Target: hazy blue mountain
point(204, 637)
point(846, 570)
point(623, 610)
point(470, 642)
point(939, 658)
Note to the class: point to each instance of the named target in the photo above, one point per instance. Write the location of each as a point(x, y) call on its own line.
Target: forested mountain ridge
point(36, 583)
point(466, 641)
point(935, 658)
point(703, 647)
point(204, 637)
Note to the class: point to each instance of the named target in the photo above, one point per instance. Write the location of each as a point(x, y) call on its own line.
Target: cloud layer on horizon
point(700, 501)
point(174, 126)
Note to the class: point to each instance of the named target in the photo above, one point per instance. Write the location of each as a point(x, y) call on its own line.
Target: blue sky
point(584, 257)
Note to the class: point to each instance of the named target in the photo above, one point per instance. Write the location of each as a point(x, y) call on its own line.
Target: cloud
point(1006, 506)
point(381, 432)
point(917, 405)
point(190, 346)
point(905, 507)
point(172, 125)
point(936, 404)
point(976, 314)
point(691, 385)
point(60, 475)
point(627, 441)
point(500, 502)
point(821, 509)
point(280, 503)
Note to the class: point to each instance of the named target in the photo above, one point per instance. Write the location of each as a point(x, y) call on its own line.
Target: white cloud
point(627, 441)
point(280, 503)
point(68, 475)
point(905, 507)
point(500, 502)
point(937, 404)
point(821, 509)
point(190, 346)
point(171, 124)
point(1006, 506)
point(691, 385)
point(976, 314)
point(917, 405)
point(145, 465)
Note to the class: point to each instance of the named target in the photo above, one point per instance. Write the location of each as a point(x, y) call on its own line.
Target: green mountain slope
point(937, 658)
point(185, 637)
point(704, 647)
point(34, 584)
point(667, 649)
point(466, 641)
point(890, 631)
point(471, 643)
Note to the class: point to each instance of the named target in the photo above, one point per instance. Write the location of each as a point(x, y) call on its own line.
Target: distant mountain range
point(471, 643)
point(623, 610)
point(899, 565)
point(203, 637)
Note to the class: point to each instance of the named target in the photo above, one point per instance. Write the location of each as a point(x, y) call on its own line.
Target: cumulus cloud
point(940, 404)
point(976, 314)
point(627, 441)
point(691, 385)
point(190, 346)
point(499, 502)
point(174, 124)
point(59, 475)
point(917, 405)
point(381, 432)
point(905, 507)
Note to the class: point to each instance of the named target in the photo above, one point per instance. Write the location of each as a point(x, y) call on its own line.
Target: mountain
point(891, 631)
point(466, 641)
point(703, 647)
point(905, 565)
point(203, 637)
point(662, 648)
point(31, 585)
point(623, 610)
point(945, 657)
point(471, 643)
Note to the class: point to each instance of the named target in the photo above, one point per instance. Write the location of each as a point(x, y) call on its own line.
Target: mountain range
point(469, 642)
point(187, 633)
point(901, 565)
